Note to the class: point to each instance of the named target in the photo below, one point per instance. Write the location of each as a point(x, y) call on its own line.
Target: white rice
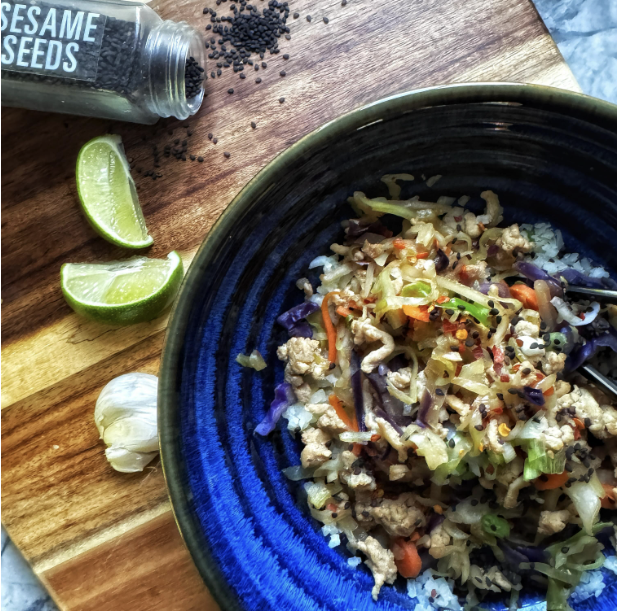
point(611, 562)
point(548, 244)
point(591, 585)
point(422, 589)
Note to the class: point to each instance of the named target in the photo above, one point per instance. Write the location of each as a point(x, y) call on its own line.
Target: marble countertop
point(585, 32)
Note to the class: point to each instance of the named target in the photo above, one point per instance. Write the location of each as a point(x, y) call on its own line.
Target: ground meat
point(328, 418)
point(401, 379)
point(462, 408)
point(303, 357)
point(491, 438)
point(510, 500)
point(363, 480)
point(471, 225)
point(374, 250)
point(315, 452)
point(553, 522)
point(555, 437)
point(449, 220)
point(553, 362)
point(493, 209)
point(364, 331)
point(512, 239)
point(400, 516)
point(388, 432)
point(601, 421)
point(398, 472)
point(508, 473)
point(380, 562)
point(305, 285)
point(523, 327)
point(440, 541)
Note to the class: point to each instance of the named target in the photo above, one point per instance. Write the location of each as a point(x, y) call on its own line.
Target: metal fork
point(588, 371)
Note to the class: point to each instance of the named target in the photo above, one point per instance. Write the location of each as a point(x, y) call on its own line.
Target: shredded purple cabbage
point(301, 329)
point(391, 406)
point(502, 289)
point(575, 278)
point(284, 396)
point(426, 402)
point(441, 261)
point(534, 396)
point(584, 352)
point(356, 385)
point(357, 228)
point(534, 273)
point(433, 522)
point(291, 317)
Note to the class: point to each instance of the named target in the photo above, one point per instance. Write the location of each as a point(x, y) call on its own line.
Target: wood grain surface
point(103, 540)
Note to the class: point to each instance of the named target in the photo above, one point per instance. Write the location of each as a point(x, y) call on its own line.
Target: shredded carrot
point(525, 294)
point(342, 413)
point(375, 437)
point(549, 391)
point(442, 299)
point(448, 250)
point(332, 507)
point(400, 244)
point(461, 349)
point(421, 255)
point(458, 369)
point(329, 328)
point(554, 480)
point(438, 509)
point(609, 501)
point(580, 425)
point(520, 343)
point(417, 312)
point(343, 311)
point(357, 449)
point(436, 243)
point(407, 559)
point(540, 377)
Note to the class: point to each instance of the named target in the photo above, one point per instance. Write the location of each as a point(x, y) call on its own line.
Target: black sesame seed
point(281, 100)
point(258, 80)
point(227, 154)
point(479, 427)
point(231, 91)
point(325, 20)
point(439, 392)
point(295, 15)
point(309, 18)
point(286, 56)
point(253, 124)
point(474, 502)
point(283, 73)
point(214, 140)
point(451, 443)
point(491, 304)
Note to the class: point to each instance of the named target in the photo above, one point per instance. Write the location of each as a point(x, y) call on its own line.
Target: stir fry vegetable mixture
point(430, 377)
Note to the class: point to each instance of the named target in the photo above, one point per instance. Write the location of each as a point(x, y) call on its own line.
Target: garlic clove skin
point(125, 461)
point(126, 418)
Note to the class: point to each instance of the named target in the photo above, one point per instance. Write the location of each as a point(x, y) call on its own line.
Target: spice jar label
point(49, 39)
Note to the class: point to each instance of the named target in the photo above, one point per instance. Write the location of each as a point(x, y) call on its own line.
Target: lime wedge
point(122, 292)
point(108, 194)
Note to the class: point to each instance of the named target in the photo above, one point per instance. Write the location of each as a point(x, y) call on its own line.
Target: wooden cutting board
point(104, 540)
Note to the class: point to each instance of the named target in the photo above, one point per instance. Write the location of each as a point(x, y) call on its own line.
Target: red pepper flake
point(375, 437)
point(520, 343)
point(458, 218)
point(331, 507)
point(582, 316)
point(461, 349)
point(458, 370)
point(504, 378)
point(549, 392)
point(478, 352)
point(489, 469)
point(434, 592)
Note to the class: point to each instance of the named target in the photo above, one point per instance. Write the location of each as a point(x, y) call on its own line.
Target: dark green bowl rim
point(588, 108)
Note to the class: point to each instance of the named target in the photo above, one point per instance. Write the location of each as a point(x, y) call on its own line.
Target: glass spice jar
point(100, 58)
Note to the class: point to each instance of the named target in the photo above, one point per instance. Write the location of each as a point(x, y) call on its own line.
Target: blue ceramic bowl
point(549, 154)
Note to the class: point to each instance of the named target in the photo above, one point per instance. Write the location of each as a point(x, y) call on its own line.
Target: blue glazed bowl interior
point(550, 156)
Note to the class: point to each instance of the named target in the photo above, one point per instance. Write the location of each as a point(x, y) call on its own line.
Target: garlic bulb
point(126, 416)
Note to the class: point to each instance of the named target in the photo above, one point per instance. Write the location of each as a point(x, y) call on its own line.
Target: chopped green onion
point(495, 525)
point(477, 311)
